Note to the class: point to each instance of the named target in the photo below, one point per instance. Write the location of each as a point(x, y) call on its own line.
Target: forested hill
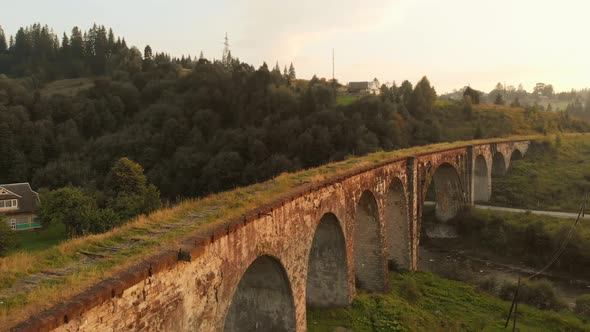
point(201, 126)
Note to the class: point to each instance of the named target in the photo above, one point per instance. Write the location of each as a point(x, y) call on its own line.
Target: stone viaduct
point(259, 273)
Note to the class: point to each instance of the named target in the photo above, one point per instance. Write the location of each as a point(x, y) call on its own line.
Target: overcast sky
point(453, 42)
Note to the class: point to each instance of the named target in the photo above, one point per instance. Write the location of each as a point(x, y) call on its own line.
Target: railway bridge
point(317, 248)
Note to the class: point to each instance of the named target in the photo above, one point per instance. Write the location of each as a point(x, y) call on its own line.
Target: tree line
point(38, 51)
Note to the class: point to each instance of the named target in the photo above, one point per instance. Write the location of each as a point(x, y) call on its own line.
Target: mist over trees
point(542, 97)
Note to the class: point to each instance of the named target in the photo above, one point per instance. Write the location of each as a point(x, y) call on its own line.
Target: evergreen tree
point(147, 53)
point(129, 192)
point(405, 91)
point(22, 44)
point(111, 47)
point(3, 45)
point(77, 44)
point(292, 75)
point(422, 99)
point(65, 43)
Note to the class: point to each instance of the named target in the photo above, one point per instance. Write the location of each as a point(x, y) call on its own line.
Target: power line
point(561, 249)
point(558, 253)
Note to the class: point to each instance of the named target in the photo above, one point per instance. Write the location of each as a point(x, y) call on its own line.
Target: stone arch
point(327, 271)
point(481, 180)
point(498, 164)
point(448, 191)
point(397, 225)
point(516, 155)
point(368, 259)
point(263, 300)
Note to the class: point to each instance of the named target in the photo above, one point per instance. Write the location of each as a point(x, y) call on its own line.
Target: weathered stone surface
point(260, 264)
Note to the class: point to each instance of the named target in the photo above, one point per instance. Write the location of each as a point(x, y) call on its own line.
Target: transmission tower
point(226, 57)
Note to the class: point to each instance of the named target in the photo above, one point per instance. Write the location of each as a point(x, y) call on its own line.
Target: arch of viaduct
point(317, 248)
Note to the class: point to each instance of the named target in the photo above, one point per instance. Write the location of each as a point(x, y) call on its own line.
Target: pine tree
point(77, 43)
point(422, 99)
point(22, 44)
point(111, 43)
point(292, 75)
point(3, 46)
point(285, 72)
point(147, 53)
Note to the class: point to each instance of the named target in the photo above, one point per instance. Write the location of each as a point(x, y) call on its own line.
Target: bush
point(583, 305)
point(489, 284)
point(539, 294)
point(409, 290)
point(7, 238)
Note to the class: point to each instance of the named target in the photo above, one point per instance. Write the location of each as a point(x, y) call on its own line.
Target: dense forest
point(198, 126)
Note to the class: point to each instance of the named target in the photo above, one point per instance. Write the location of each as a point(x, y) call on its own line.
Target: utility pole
point(333, 79)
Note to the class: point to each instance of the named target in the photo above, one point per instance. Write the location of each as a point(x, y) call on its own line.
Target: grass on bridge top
point(123, 247)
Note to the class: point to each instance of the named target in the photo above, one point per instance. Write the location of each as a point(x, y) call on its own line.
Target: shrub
point(409, 290)
point(583, 305)
point(489, 284)
point(7, 238)
point(539, 294)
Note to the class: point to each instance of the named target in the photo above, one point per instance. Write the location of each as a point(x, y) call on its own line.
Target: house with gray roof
point(18, 206)
point(367, 87)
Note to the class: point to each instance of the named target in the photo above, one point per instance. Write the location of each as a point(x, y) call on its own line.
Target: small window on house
point(7, 204)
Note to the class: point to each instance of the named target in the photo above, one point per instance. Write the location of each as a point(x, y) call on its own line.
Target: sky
point(452, 42)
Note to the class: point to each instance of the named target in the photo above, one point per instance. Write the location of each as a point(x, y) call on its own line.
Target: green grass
point(444, 305)
point(40, 239)
point(346, 99)
point(550, 177)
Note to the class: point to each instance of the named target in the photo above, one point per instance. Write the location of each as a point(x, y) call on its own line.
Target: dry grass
point(67, 87)
point(146, 232)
